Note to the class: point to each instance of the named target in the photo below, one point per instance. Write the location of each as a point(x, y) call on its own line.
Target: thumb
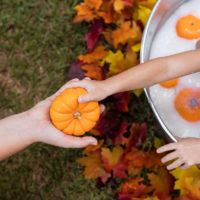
point(86, 98)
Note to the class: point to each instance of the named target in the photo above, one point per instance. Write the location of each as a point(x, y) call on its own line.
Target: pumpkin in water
point(170, 83)
point(72, 117)
point(187, 103)
point(188, 27)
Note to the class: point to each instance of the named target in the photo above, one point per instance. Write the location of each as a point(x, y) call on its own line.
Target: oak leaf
point(94, 56)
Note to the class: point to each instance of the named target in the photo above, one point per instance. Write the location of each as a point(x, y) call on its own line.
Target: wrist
point(25, 127)
point(111, 86)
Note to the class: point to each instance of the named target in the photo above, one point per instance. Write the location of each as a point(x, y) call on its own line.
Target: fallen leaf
point(162, 181)
point(75, 71)
point(93, 148)
point(94, 56)
point(94, 35)
point(111, 158)
point(94, 168)
point(125, 33)
point(93, 71)
point(181, 174)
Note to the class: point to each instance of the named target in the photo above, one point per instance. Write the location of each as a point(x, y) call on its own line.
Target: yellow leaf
point(149, 3)
point(142, 13)
point(138, 92)
point(181, 174)
point(192, 186)
point(158, 142)
point(112, 157)
point(94, 56)
point(118, 62)
point(118, 5)
point(136, 47)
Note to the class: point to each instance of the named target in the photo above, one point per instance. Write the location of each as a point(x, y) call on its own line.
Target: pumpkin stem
point(77, 115)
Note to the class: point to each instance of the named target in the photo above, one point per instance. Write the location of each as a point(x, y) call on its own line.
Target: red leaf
point(93, 36)
point(137, 136)
point(119, 137)
point(119, 101)
point(75, 71)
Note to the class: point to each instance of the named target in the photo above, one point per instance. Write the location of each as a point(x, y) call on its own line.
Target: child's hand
point(185, 151)
point(96, 89)
point(40, 125)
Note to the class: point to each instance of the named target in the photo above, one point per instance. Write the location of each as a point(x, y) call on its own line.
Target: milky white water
point(167, 42)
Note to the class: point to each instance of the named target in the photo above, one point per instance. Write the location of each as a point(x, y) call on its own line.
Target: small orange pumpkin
point(188, 27)
point(170, 83)
point(72, 117)
point(187, 103)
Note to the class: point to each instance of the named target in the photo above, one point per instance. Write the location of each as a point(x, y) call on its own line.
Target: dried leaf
point(94, 56)
point(93, 71)
point(93, 148)
point(125, 33)
point(93, 36)
point(94, 168)
point(162, 181)
point(111, 158)
point(75, 71)
point(181, 174)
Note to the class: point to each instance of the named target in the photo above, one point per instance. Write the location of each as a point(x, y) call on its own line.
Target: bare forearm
point(14, 135)
point(155, 71)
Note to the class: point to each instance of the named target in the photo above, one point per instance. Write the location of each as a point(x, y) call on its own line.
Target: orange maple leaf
point(142, 159)
point(107, 12)
point(93, 71)
point(87, 10)
point(94, 56)
point(93, 167)
point(126, 33)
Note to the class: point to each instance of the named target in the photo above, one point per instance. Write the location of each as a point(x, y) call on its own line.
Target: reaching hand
point(41, 126)
point(96, 89)
point(185, 151)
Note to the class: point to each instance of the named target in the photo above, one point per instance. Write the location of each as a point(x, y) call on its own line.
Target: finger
point(175, 164)
point(85, 98)
point(87, 78)
point(169, 157)
point(185, 166)
point(167, 147)
point(102, 108)
point(79, 142)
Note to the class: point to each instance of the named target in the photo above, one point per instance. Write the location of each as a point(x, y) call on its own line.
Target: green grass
point(38, 40)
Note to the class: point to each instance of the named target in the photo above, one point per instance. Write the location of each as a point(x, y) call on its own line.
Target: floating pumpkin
point(72, 117)
point(187, 103)
point(188, 27)
point(170, 83)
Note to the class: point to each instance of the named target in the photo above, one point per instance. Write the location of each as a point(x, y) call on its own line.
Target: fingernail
point(94, 143)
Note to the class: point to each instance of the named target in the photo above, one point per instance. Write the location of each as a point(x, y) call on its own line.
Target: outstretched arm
point(20, 130)
point(144, 75)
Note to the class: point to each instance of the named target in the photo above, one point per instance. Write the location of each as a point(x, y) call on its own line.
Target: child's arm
point(144, 75)
point(20, 130)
